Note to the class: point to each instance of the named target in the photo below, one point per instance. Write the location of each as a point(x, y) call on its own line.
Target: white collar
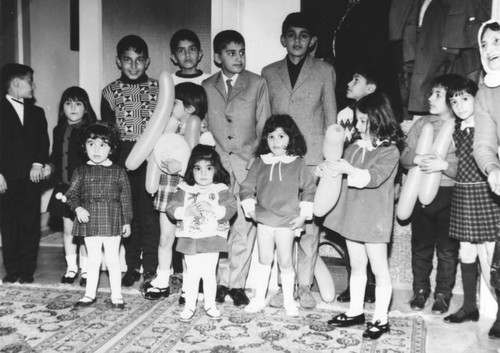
point(465, 124)
point(106, 163)
point(272, 159)
point(215, 187)
point(233, 79)
point(15, 101)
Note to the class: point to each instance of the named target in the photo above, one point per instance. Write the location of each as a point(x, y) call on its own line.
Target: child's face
point(297, 41)
point(73, 110)
point(24, 86)
point(278, 142)
point(97, 150)
point(203, 173)
point(232, 59)
point(462, 105)
point(133, 65)
point(358, 87)
point(179, 111)
point(187, 55)
point(363, 125)
point(490, 44)
point(437, 101)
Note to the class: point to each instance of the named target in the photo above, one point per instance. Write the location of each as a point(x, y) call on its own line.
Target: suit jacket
point(311, 103)
point(21, 145)
point(236, 122)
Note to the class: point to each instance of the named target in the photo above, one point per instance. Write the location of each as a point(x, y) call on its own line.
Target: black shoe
point(150, 292)
point(130, 278)
point(182, 299)
point(494, 332)
point(462, 316)
point(220, 296)
point(375, 330)
point(10, 278)
point(148, 277)
point(441, 304)
point(69, 277)
point(85, 302)
point(24, 279)
point(83, 281)
point(342, 320)
point(345, 296)
point(419, 300)
point(370, 293)
point(117, 306)
point(239, 296)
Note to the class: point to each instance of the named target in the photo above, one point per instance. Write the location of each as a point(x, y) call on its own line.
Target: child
point(186, 53)
point(202, 206)
point(129, 103)
point(238, 106)
point(364, 213)
point(100, 197)
point(278, 194)
point(364, 81)
point(475, 213)
point(430, 224)
point(487, 119)
point(304, 88)
point(75, 112)
point(24, 149)
point(190, 104)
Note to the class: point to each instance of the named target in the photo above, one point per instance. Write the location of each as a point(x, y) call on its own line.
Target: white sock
point(357, 287)
point(262, 273)
point(287, 284)
point(383, 296)
point(162, 279)
point(84, 260)
point(71, 263)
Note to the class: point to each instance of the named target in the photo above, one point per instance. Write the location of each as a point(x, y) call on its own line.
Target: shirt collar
point(272, 159)
point(106, 163)
point(233, 79)
point(467, 123)
point(15, 100)
point(141, 79)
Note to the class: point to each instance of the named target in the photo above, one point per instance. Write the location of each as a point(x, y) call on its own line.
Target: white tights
point(200, 266)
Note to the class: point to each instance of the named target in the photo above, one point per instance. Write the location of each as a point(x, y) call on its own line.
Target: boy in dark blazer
point(304, 88)
point(24, 148)
point(237, 111)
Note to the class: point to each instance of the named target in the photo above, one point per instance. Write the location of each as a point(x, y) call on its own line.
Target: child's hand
point(46, 171)
point(126, 230)
point(173, 166)
point(418, 159)
point(36, 174)
point(3, 184)
point(319, 169)
point(82, 215)
point(204, 206)
point(494, 180)
point(431, 163)
point(341, 167)
point(191, 210)
point(298, 223)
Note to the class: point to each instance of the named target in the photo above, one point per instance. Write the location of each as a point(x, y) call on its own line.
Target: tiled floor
point(467, 338)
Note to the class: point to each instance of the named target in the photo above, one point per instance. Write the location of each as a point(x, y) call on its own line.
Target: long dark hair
point(206, 153)
point(76, 94)
point(297, 144)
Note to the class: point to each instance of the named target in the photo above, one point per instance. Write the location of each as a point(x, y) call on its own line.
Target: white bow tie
point(465, 124)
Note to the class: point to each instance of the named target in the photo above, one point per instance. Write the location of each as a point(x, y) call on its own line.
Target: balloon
point(156, 124)
point(153, 173)
point(324, 281)
point(430, 182)
point(411, 187)
point(328, 191)
point(172, 145)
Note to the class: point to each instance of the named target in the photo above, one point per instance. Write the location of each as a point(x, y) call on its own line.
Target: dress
point(475, 210)
point(104, 191)
point(365, 210)
point(208, 232)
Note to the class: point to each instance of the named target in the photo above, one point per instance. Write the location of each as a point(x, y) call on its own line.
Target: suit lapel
point(11, 117)
point(220, 86)
point(304, 72)
point(284, 75)
point(240, 85)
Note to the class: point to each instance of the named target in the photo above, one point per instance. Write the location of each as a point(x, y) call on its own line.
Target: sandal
point(186, 315)
point(150, 292)
point(84, 302)
point(69, 277)
point(213, 312)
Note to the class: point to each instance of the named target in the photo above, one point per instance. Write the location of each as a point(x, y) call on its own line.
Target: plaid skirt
point(475, 213)
point(166, 189)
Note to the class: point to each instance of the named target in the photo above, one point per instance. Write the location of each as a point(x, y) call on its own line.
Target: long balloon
point(411, 186)
point(156, 124)
point(153, 173)
point(430, 182)
point(328, 191)
point(324, 281)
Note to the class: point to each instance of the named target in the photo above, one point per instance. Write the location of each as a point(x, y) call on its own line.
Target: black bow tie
point(18, 101)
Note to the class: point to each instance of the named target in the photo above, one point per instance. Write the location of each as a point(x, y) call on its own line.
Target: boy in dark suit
point(304, 88)
point(238, 106)
point(24, 149)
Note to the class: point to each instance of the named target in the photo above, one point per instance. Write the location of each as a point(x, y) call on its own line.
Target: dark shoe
point(239, 296)
point(130, 278)
point(154, 293)
point(461, 316)
point(441, 304)
point(85, 302)
point(345, 296)
point(83, 280)
point(118, 306)
point(69, 277)
point(494, 332)
point(375, 330)
point(370, 293)
point(182, 299)
point(342, 320)
point(220, 296)
point(419, 300)
point(148, 277)
point(10, 278)
point(26, 279)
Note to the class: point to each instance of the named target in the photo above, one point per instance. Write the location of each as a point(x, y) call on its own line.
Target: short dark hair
point(133, 42)
point(445, 81)
point(104, 131)
point(297, 143)
point(462, 85)
point(370, 72)
point(192, 94)
point(11, 71)
point(184, 34)
point(206, 153)
point(299, 20)
point(224, 38)
point(78, 94)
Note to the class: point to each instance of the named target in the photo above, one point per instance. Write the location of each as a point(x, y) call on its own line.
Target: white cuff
point(358, 178)
point(220, 212)
point(248, 206)
point(306, 209)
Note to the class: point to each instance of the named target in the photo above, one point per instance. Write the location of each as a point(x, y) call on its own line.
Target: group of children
point(268, 132)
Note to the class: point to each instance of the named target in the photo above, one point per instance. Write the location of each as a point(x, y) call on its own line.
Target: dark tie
point(17, 101)
point(229, 87)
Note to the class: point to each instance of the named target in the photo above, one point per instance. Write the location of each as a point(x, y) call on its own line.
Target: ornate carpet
point(42, 319)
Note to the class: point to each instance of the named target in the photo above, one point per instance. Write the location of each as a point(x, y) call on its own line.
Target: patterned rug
point(42, 319)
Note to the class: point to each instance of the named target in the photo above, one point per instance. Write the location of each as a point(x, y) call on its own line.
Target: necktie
point(229, 87)
point(17, 101)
